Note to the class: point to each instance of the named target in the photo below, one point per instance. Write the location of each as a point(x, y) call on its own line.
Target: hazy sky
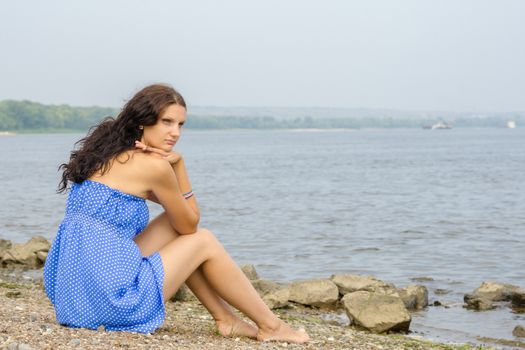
point(456, 55)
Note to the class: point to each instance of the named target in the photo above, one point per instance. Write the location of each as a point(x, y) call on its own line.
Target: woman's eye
point(166, 121)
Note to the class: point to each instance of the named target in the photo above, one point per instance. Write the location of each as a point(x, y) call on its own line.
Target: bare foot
point(284, 333)
point(236, 327)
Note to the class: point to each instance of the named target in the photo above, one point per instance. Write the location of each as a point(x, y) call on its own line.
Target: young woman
point(109, 267)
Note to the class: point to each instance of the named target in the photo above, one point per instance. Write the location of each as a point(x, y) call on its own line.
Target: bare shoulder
point(151, 165)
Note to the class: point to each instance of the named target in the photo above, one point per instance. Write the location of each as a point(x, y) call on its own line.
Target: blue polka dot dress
point(94, 273)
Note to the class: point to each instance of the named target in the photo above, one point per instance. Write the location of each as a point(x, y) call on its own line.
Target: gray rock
point(422, 279)
point(377, 312)
point(477, 303)
point(23, 346)
point(278, 298)
point(12, 346)
point(75, 342)
point(415, 297)
point(316, 292)
point(440, 291)
point(5, 244)
point(353, 283)
point(26, 253)
point(33, 317)
point(518, 298)
point(494, 291)
point(264, 287)
point(250, 272)
point(183, 294)
point(101, 328)
point(519, 331)
point(41, 256)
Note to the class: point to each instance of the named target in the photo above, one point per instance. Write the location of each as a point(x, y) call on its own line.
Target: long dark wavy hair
point(113, 136)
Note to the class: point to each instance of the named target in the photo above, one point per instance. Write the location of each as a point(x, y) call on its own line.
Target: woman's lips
point(171, 142)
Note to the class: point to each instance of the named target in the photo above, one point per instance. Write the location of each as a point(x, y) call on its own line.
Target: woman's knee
point(206, 237)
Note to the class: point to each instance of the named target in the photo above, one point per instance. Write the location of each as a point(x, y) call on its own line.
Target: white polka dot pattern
point(94, 273)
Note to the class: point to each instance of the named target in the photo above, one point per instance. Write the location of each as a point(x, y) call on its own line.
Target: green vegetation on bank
point(27, 116)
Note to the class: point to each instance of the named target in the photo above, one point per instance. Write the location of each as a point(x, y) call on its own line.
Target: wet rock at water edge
point(519, 331)
point(422, 279)
point(493, 291)
point(377, 312)
point(316, 292)
point(478, 303)
point(250, 272)
point(415, 297)
point(440, 291)
point(518, 299)
point(5, 245)
point(352, 283)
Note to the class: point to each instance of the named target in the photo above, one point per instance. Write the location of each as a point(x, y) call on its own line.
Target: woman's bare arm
point(167, 190)
point(184, 183)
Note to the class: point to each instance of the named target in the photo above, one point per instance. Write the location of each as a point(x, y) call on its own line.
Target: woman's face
point(166, 132)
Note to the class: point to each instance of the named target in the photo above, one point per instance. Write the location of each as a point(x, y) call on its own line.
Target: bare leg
point(158, 234)
point(182, 256)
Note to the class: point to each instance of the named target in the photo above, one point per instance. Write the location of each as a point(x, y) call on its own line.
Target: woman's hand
point(172, 157)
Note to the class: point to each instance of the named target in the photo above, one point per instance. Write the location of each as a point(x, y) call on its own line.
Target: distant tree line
point(32, 116)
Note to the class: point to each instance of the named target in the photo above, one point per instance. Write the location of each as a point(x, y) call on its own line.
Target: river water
point(398, 204)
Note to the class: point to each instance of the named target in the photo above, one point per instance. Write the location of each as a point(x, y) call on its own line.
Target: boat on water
point(511, 124)
point(440, 125)
point(6, 133)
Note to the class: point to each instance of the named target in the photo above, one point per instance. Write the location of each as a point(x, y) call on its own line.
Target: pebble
point(23, 346)
point(33, 317)
point(19, 346)
point(331, 338)
point(519, 331)
point(75, 342)
point(101, 328)
point(19, 308)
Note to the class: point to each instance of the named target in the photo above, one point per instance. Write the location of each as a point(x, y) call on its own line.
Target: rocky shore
point(378, 313)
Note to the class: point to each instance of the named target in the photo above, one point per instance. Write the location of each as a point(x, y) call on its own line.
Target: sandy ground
point(28, 322)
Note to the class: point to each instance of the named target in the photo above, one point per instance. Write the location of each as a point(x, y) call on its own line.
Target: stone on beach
point(250, 272)
point(377, 312)
point(264, 287)
point(493, 292)
point(278, 298)
point(26, 253)
point(479, 304)
point(518, 298)
point(4, 245)
point(519, 331)
point(353, 283)
point(316, 292)
point(415, 297)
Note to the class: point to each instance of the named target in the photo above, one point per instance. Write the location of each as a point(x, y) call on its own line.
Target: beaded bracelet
point(188, 195)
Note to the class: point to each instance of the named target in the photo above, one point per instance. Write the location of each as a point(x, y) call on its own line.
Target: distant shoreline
point(22, 116)
point(312, 129)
